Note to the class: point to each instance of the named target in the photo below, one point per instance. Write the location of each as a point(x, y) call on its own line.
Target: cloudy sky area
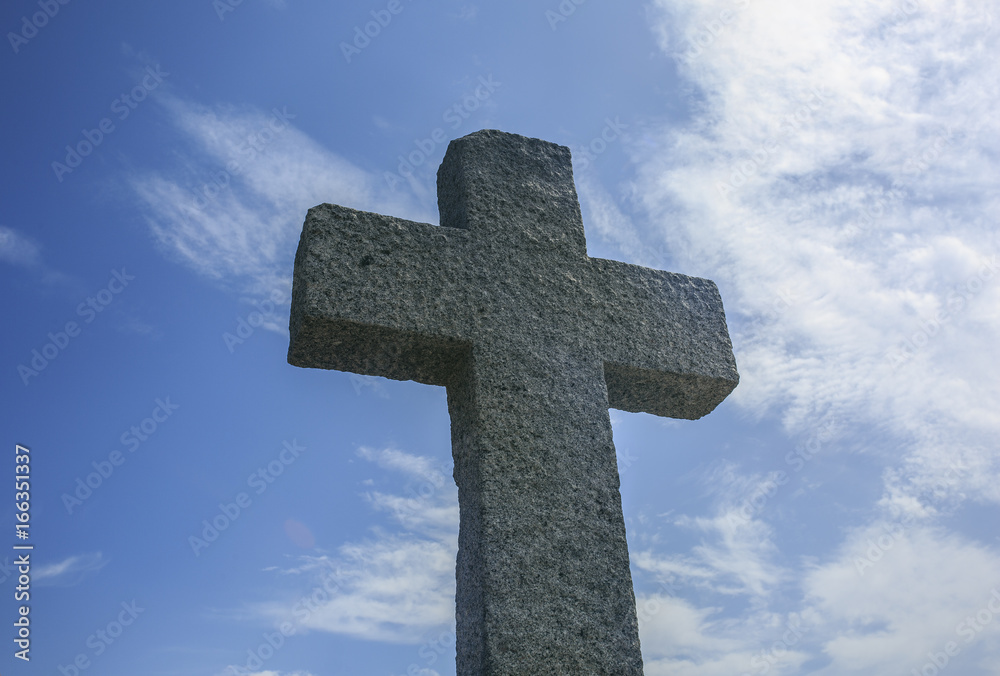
point(832, 166)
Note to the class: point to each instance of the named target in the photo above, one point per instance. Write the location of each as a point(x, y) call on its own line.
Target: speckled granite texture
point(534, 341)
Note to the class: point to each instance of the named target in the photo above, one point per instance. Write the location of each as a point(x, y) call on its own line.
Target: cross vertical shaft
point(543, 569)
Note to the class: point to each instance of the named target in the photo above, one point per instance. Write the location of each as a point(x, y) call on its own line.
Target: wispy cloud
point(736, 551)
point(399, 583)
point(70, 571)
point(232, 207)
point(17, 249)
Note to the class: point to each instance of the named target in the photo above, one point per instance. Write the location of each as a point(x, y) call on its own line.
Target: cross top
point(534, 341)
point(512, 189)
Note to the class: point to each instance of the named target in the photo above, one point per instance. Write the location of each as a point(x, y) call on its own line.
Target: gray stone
point(534, 341)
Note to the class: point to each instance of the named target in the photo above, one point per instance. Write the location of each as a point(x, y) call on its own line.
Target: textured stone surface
point(534, 341)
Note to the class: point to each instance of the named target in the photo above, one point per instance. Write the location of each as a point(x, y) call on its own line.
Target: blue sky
point(834, 168)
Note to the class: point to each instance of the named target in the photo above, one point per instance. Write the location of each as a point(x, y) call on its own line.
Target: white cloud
point(734, 558)
point(736, 553)
point(398, 584)
point(862, 228)
point(891, 594)
point(393, 589)
point(415, 466)
point(894, 593)
point(17, 249)
point(680, 639)
point(233, 207)
point(21, 250)
point(69, 571)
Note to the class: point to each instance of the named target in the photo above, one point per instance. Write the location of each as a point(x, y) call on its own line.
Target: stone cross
point(534, 341)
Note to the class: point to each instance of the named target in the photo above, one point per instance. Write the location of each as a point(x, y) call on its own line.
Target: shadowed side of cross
point(534, 341)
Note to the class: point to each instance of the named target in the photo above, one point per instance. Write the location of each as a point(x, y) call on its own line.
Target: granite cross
point(534, 341)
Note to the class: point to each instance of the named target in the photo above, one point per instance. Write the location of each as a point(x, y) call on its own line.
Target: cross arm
point(665, 341)
point(377, 295)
